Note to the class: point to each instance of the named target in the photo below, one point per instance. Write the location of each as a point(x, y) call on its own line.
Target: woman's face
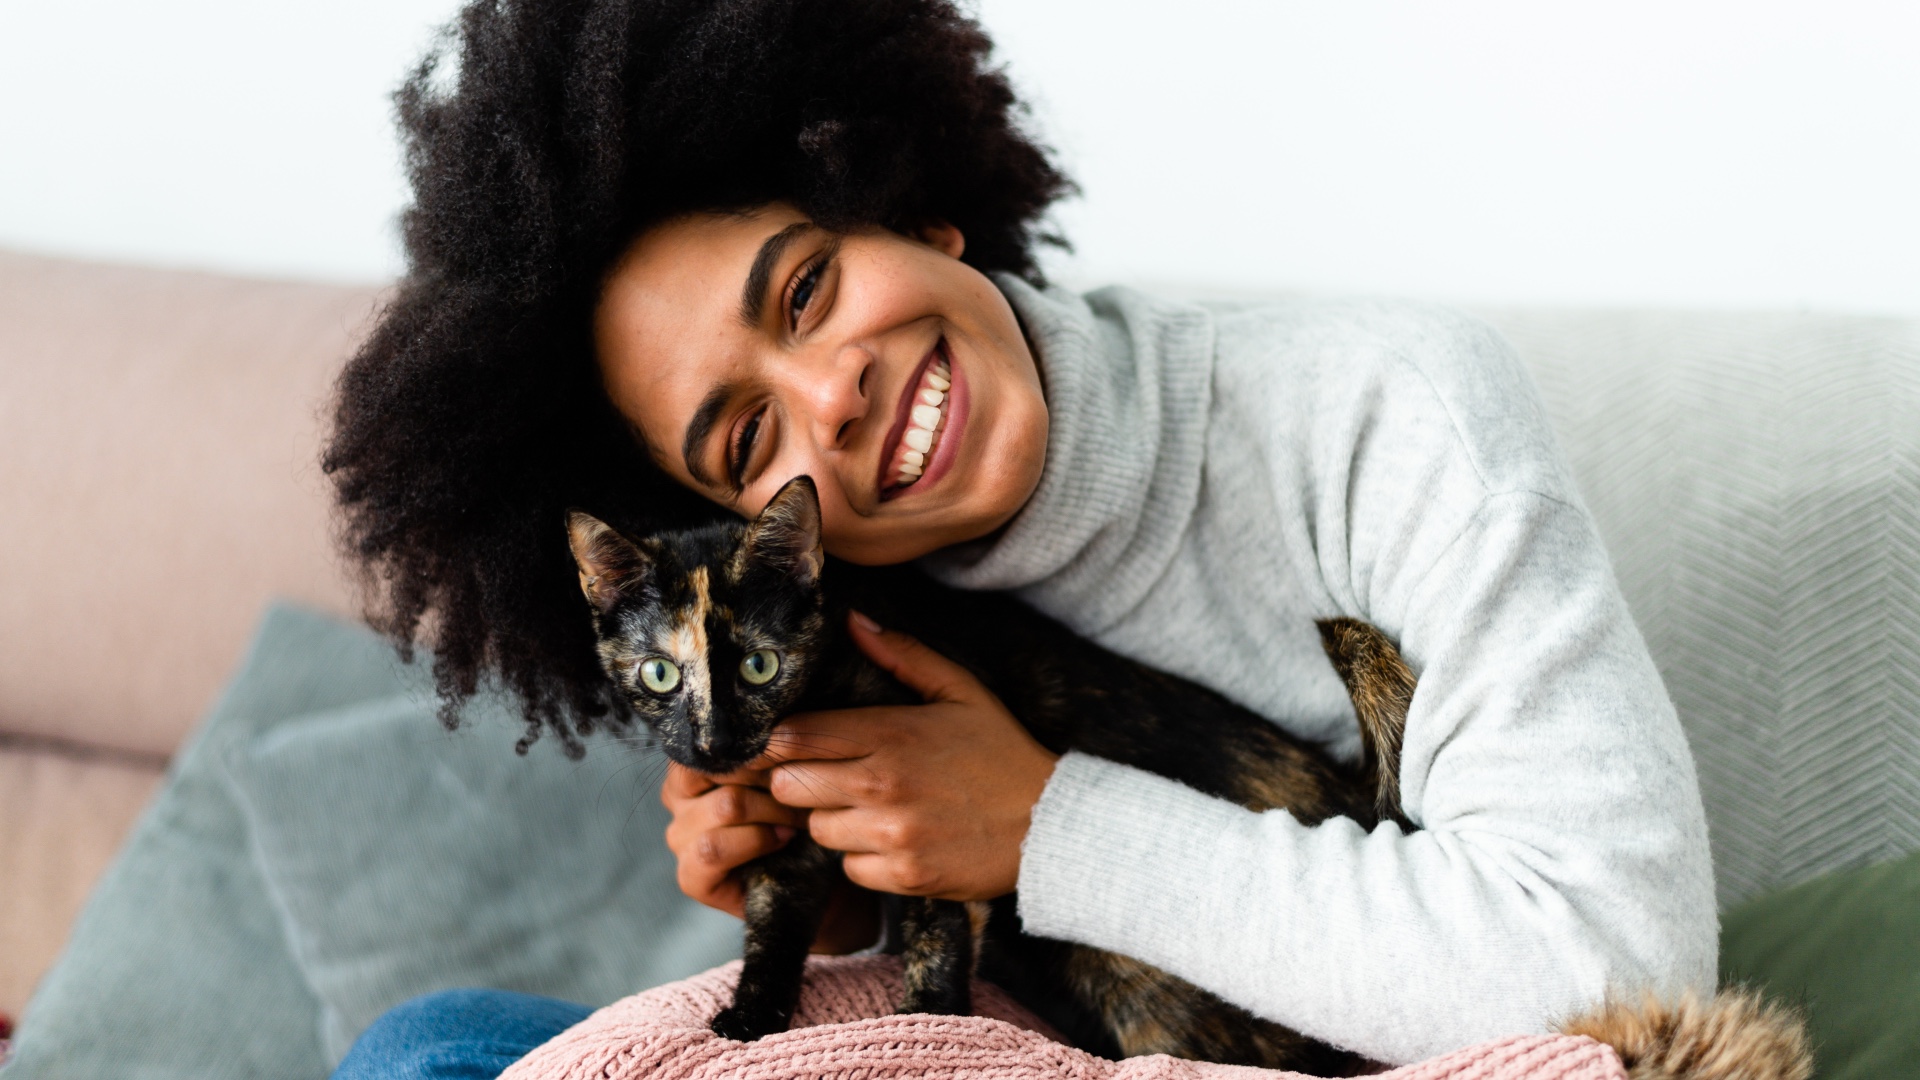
point(752, 348)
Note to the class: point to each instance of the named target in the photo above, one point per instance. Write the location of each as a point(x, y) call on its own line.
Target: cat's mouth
point(704, 756)
point(928, 411)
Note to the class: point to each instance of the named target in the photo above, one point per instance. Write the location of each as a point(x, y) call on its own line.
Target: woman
point(665, 256)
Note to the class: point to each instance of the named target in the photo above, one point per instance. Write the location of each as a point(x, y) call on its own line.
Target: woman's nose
point(837, 388)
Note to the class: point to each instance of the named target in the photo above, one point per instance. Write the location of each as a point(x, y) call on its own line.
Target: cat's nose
point(714, 743)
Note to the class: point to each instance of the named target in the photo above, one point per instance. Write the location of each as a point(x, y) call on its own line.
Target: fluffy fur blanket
point(846, 1029)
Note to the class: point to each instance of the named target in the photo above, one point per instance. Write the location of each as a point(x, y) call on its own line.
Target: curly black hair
point(541, 138)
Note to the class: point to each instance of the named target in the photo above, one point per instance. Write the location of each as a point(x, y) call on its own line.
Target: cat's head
point(711, 633)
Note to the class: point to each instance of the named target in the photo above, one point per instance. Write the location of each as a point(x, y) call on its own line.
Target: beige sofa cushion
point(158, 438)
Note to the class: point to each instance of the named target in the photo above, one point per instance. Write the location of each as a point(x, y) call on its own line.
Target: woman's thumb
point(907, 658)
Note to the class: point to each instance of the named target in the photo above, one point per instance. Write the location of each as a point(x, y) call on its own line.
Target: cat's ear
point(611, 566)
point(786, 535)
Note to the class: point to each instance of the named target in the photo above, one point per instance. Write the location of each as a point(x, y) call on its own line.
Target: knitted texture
point(846, 1029)
point(1388, 462)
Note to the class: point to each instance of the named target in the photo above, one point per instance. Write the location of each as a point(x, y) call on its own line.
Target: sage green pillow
point(1846, 947)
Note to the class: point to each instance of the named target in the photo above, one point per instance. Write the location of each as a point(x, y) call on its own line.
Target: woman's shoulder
point(1362, 334)
point(1423, 377)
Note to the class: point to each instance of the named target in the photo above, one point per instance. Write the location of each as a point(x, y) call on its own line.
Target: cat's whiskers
point(822, 744)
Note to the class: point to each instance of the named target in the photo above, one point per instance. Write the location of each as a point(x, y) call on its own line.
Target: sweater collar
point(1128, 383)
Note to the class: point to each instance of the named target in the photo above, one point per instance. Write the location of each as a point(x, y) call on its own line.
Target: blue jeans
point(456, 1035)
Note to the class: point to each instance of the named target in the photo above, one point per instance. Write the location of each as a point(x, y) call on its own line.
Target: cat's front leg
point(941, 946)
point(787, 896)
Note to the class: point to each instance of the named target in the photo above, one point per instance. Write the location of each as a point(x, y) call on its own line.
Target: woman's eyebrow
point(753, 295)
point(701, 426)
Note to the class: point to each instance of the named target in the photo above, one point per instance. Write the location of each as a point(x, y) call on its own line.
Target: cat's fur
point(1734, 1035)
point(706, 598)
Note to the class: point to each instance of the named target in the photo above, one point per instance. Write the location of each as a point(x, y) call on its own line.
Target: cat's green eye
point(659, 674)
point(760, 666)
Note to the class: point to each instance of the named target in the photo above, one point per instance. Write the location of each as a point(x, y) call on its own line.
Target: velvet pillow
point(1846, 947)
point(402, 859)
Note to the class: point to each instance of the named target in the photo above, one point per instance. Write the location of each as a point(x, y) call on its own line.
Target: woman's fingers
point(716, 853)
point(904, 874)
point(682, 784)
point(873, 780)
point(718, 826)
point(930, 800)
point(907, 658)
point(728, 805)
point(705, 872)
point(822, 736)
point(706, 859)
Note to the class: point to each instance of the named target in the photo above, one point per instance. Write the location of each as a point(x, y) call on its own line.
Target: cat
point(716, 634)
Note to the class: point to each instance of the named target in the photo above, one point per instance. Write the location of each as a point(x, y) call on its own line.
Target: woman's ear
point(943, 238)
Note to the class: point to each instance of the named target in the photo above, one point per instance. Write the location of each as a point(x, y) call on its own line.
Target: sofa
point(159, 433)
point(1756, 476)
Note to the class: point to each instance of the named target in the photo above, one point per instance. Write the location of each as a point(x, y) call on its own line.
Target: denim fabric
point(456, 1035)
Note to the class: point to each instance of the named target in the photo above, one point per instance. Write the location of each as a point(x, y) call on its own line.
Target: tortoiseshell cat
point(715, 634)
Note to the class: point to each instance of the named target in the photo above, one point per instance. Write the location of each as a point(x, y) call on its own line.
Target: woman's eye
point(803, 291)
point(658, 674)
point(742, 452)
point(760, 666)
point(800, 295)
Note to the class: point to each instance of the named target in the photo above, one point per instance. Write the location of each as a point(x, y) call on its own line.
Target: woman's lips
point(946, 449)
point(918, 447)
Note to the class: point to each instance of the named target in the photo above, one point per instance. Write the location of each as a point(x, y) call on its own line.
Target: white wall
point(1720, 153)
point(250, 135)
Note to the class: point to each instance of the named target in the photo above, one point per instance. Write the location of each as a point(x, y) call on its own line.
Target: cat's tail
point(1381, 686)
point(1733, 1035)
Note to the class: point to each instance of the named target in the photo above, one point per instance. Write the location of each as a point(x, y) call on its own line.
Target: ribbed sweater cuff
point(1116, 856)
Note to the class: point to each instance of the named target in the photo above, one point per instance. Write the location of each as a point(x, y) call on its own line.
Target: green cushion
point(324, 850)
point(403, 859)
point(179, 965)
point(1847, 948)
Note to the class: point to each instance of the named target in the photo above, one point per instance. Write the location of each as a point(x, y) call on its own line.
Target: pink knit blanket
point(846, 1029)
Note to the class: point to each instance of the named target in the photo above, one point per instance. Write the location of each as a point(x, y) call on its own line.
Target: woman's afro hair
point(541, 137)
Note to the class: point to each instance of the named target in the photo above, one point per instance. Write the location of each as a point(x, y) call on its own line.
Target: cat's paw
point(743, 1025)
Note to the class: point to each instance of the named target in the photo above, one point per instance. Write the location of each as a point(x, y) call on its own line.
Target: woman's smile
point(747, 349)
point(926, 432)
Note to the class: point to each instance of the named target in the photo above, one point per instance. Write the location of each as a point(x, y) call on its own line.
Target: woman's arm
point(1562, 852)
point(1392, 462)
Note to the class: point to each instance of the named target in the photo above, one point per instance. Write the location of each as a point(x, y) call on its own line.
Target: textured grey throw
point(1757, 480)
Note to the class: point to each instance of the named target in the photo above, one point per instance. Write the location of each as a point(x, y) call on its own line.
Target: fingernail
point(865, 623)
point(784, 833)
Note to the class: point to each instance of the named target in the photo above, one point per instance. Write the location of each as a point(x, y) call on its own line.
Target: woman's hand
point(721, 823)
point(925, 800)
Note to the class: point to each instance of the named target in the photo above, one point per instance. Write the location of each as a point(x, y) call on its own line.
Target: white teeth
point(922, 421)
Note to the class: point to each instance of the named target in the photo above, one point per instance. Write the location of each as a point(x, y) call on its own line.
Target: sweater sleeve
point(1561, 852)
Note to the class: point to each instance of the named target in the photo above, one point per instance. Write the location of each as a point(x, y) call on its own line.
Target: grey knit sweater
point(1216, 479)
